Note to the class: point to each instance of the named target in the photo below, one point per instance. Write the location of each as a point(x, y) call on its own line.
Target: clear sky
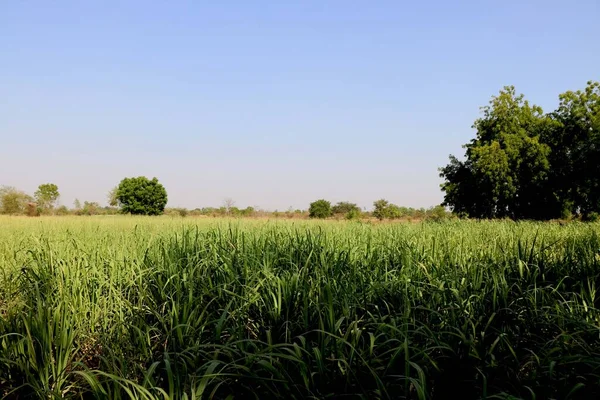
point(271, 103)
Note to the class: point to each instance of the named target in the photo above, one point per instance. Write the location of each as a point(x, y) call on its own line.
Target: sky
point(270, 103)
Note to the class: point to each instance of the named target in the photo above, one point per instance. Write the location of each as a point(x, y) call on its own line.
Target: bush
point(13, 201)
point(248, 211)
point(383, 209)
point(176, 212)
point(33, 210)
point(142, 196)
point(62, 210)
point(592, 217)
point(437, 213)
point(344, 207)
point(353, 214)
point(320, 209)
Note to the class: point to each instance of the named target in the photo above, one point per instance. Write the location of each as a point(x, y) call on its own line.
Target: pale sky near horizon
point(271, 103)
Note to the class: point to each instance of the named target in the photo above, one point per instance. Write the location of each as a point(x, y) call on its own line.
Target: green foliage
point(248, 211)
point(177, 212)
point(592, 217)
point(527, 164)
point(344, 207)
point(62, 210)
point(437, 213)
point(383, 209)
point(132, 307)
point(320, 209)
point(90, 208)
point(46, 196)
point(353, 214)
point(13, 201)
point(141, 196)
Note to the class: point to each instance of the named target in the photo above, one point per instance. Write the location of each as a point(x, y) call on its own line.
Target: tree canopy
point(141, 196)
point(524, 163)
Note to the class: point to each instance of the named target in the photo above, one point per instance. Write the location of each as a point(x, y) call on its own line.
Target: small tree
point(46, 196)
point(141, 196)
point(320, 209)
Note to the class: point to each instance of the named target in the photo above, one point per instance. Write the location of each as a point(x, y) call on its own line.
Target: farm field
point(183, 308)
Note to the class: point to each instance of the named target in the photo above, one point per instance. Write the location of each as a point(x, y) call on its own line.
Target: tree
point(344, 207)
point(320, 209)
point(141, 196)
point(576, 151)
point(507, 165)
point(13, 201)
point(381, 209)
point(77, 204)
point(46, 196)
point(527, 164)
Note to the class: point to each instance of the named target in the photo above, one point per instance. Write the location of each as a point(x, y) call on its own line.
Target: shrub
point(382, 209)
point(33, 210)
point(592, 217)
point(353, 214)
point(62, 210)
point(437, 213)
point(320, 209)
point(248, 211)
point(344, 207)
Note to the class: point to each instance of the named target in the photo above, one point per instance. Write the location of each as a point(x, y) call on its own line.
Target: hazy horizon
point(270, 104)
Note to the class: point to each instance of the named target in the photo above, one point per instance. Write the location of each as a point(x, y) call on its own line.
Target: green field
point(121, 307)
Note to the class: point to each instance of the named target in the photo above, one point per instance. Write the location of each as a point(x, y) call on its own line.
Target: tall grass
point(160, 308)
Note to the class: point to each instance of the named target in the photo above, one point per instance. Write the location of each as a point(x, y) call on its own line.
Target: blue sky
point(270, 103)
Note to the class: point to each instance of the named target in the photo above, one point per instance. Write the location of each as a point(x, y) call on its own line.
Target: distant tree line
point(144, 196)
point(527, 164)
point(382, 210)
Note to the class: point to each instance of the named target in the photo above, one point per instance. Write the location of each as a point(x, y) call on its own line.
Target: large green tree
point(523, 163)
point(506, 168)
point(141, 196)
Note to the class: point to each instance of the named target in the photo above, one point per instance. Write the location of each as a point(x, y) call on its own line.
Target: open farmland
point(121, 307)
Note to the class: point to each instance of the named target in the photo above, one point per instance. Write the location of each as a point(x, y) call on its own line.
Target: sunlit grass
point(120, 307)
